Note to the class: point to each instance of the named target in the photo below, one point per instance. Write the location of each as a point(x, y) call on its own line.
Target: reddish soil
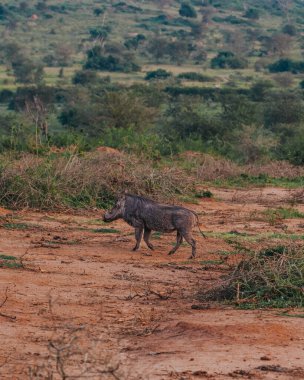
point(84, 306)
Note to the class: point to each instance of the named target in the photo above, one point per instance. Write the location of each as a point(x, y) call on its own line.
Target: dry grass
point(92, 180)
point(209, 168)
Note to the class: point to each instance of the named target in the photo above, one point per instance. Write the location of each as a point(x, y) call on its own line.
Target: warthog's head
point(117, 211)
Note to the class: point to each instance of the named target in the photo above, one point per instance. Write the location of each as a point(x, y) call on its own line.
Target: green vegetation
point(245, 180)
point(9, 262)
point(283, 213)
point(269, 278)
point(18, 226)
point(107, 230)
point(152, 80)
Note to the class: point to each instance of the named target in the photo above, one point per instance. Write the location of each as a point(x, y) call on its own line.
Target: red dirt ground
point(84, 306)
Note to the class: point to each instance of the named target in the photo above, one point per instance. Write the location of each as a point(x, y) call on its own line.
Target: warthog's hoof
point(151, 247)
point(134, 249)
point(171, 253)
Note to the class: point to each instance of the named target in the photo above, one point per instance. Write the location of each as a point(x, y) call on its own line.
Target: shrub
point(272, 277)
point(158, 74)
point(290, 29)
point(260, 89)
point(192, 76)
point(98, 11)
point(226, 60)
point(67, 180)
point(186, 10)
point(286, 64)
point(100, 32)
point(252, 13)
point(85, 77)
point(97, 60)
point(27, 71)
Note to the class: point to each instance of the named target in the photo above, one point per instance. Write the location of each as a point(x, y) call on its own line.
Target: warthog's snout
point(106, 217)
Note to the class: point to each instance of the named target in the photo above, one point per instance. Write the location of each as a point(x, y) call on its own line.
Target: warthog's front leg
point(147, 234)
point(179, 240)
point(138, 236)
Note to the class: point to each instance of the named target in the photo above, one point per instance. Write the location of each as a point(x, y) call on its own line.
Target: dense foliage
point(156, 78)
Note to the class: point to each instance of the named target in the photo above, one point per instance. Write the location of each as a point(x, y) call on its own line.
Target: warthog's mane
point(139, 200)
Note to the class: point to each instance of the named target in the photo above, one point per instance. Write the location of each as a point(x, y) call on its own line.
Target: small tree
point(158, 47)
point(290, 29)
point(186, 10)
point(37, 113)
point(27, 71)
point(85, 77)
point(227, 59)
point(98, 11)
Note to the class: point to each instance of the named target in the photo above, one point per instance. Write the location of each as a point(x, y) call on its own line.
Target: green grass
point(19, 226)
point(231, 238)
point(283, 213)
point(211, 262)
point(262, 180)
point(7, 261)
point(106, 230)
point(157, 235)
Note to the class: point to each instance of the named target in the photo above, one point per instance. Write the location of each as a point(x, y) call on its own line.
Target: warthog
point(146, 215)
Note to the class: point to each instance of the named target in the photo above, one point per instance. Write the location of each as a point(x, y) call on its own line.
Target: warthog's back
point(158, 217)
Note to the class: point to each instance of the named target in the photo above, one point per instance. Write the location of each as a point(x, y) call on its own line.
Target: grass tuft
point(7, 261)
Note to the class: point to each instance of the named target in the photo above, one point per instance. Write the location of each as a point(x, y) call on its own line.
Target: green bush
point(286, 64)
point(197, 77)
point(252, 13)
point(158, 74)
point(97, 60)
point(228, 60)
point(186, 10)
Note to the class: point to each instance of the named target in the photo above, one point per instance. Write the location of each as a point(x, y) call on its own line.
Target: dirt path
point(83, 305)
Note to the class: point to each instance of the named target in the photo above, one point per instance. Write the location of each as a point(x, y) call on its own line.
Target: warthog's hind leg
point(179, 240)
point(138, 236)
point(189, 239)
point(147, 234)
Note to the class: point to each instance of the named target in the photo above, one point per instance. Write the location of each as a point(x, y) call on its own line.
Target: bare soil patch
point(82, 305)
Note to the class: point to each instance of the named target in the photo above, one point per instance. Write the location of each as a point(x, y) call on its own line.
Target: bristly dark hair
point(140, 198)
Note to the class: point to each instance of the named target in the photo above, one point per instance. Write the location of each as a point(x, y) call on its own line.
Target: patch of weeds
point(226, 253)
point(245, 180)
point(272, 277)
point(236, 239)
point(272, 251)
point(276, 235)
point(189, 199)
point(95, 221)
point(19, 226)
point(106, 230)
point(211, 262)
point(7, 261)
point(204, 194)
point(287, 314)
point(273, 215)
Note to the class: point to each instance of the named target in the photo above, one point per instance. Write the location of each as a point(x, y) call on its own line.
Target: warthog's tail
point(197, 219)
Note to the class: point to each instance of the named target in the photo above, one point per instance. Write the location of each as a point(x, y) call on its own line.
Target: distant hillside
point(59, 33)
